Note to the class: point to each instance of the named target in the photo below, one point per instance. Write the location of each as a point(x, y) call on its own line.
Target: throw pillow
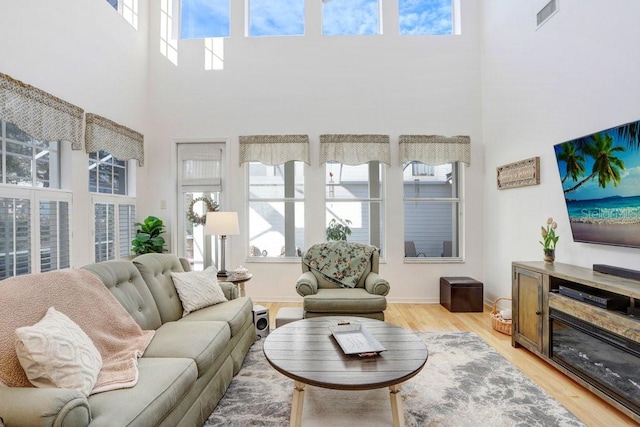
point(198, 289)
point(55, 352)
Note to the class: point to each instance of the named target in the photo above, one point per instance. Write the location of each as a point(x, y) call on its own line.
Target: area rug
point(464, 383)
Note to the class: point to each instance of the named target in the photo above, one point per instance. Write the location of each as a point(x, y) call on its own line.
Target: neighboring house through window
point(354, 176)
point(433, 195)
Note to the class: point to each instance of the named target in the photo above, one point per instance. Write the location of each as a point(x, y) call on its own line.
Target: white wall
point(577, 74)
point(85, 53)
point(314, 85)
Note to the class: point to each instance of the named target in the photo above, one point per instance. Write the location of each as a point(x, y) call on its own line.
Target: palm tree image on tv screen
point(600, 176)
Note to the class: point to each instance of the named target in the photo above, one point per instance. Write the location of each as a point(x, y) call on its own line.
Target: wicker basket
point(497, 322)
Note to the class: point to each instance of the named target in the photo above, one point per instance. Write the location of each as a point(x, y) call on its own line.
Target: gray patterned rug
point(464, 383)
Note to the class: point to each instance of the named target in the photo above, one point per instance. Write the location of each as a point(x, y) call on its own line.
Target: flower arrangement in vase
point(549, 240)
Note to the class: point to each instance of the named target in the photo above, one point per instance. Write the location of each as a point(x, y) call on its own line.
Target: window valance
point(40, 114)
point(355, 150)
point(274, 149)
point(435, 149)
point(120, 141)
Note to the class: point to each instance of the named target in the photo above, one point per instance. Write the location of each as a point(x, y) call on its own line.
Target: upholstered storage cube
point(461, 294)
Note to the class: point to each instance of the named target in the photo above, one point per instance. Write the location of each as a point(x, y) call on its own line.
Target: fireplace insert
point(605, 360)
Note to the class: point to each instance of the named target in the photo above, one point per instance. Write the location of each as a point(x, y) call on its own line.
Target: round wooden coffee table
point(307, 352)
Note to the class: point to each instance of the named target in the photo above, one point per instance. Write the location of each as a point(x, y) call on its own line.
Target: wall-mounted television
point(600, 175)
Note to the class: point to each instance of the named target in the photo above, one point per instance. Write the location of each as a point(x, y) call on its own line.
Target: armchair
point(341, 279)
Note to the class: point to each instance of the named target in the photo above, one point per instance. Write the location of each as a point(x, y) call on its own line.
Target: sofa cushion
point(233, 312)
point(56, 352)
point(156, 271)
point(198, 289)
point(201, 341)
point(345, 301)
point(125, 282)
point(162, 384)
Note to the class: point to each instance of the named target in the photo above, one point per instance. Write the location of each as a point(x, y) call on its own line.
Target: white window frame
point(206, 249)
point(292, 252)
point(127, 167)
point(457, 221)
point(377, 173)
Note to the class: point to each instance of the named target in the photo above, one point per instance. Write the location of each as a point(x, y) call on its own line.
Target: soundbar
point(617, 271)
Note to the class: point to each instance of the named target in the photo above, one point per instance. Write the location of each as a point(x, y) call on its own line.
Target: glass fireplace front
point(606, 360)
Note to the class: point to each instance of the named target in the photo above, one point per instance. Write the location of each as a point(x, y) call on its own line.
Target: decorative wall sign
point(519, 174)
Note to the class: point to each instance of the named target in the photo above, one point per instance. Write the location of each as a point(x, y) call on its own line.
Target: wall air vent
point(547, 12)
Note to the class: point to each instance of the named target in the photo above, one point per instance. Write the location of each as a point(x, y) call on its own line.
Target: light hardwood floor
point(592, 410)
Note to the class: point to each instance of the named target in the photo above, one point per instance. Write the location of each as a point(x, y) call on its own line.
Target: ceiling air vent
point(547, 12)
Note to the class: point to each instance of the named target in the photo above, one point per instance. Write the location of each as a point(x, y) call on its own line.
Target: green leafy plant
point(148, 239)
point(549, 237)
point(338, 231)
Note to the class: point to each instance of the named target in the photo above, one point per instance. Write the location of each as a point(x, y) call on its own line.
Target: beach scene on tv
point(600, 175)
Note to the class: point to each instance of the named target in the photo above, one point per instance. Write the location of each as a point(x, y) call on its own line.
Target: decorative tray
point(354, 338)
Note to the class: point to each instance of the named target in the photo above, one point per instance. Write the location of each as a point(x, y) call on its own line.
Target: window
point(200, 19)
point(113, 227)
point(107, 175)
point(114, 217)
point(350, 17)
point(199, 175)
point(354, 194)
point(276, 17)
point(276, 209)
point(54, 233)
point(432, 211)
point(26, 161)
point(34, 213)
point(426, 17)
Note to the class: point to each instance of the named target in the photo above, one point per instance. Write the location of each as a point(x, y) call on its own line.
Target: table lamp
point(222, 224)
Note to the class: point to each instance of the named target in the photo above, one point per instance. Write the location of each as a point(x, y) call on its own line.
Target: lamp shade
point(222, 224)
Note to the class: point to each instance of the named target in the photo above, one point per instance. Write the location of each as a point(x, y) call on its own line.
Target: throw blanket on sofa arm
point(342, 263)
point(84, 299)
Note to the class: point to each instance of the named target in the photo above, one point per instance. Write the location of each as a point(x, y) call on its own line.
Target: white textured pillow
point(55, 352)
point(198, 289)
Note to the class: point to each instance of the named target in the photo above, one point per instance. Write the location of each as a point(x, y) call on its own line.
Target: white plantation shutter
point(114, 220)
point(104, 231)
point(54, 234)
point(126, 228)
point(199, 168)
point(15, 236)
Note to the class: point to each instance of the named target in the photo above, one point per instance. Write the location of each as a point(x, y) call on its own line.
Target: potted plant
point(338, 231)
point(549, 240)
point(148, 239)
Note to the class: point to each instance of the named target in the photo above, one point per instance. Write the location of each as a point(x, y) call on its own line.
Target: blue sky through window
point(204, 18)
point(276, 17)
point(210, 18)
point(426, 17)
point(350, 17)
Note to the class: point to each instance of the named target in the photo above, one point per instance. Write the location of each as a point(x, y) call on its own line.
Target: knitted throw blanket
point(342, 263)
point(80, 295)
